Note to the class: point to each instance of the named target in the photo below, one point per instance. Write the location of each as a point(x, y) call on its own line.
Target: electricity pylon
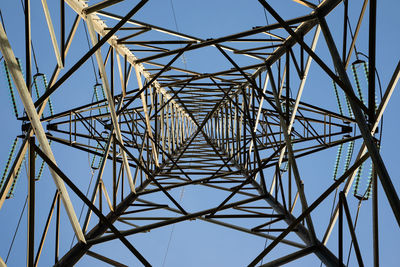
point(154, 127)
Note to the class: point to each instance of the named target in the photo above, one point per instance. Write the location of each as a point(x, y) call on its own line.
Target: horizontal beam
point(101, 5)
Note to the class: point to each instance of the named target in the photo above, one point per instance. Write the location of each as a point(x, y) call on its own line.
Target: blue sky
point(197, 243)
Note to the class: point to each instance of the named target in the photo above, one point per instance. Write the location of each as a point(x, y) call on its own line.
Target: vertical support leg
point(33, 116)
point(110, 101)
point(340, 233)
point(52, 33)
point(57, 244)
point(28, 48)
point(62, 32)
point(384, 176)
point(292, 159)
point(375, 217)
point(371, 61)
point(114, 196)
point(31, 204)
point(46, 228)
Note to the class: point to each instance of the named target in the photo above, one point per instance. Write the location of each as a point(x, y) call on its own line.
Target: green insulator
point(357, 81)
point(337, 98)
point(369, 182)
point(40, 171)
point(366, 71)
point(100, 158)
point(93, 160)
point(92, 165)
point(41, 167)
point(285, 167)
point(44, 81)
point(104, 95)
point(20, 67)
point(357, 179)
point(349, 155)
point(96, 96)
point(355, 188)
point(368, 193)
point(12, 188)
point(45, 89)
point(100, 161)
point(349, 107)
point(36, 88)
point(11, 90)
point(337, 162)
point(10, 157)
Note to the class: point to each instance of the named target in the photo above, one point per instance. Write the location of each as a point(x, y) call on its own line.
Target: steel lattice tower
point(238, 136)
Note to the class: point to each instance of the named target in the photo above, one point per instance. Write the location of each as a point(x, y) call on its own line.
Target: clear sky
point(197, 243)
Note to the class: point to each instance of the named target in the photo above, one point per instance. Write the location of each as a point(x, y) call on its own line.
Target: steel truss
point(240, 132)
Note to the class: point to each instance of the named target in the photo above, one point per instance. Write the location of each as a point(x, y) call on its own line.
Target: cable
point(2, 22)
point(33, 49)
point(354, 226)
point(10, 157)
point(183, 188)
point(83, 206)
point(352, 36)
point(177, 29)
point(266, 239)
point(16, 230)
point(172, 231)
point(89, 161)
point(91, 58)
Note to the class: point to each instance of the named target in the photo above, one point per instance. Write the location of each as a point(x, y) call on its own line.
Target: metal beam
point(369, 141)
point(91, 206)
point(31, 204)
point(52, 34)
point(101, 5)
point(9, 57)
point(110, 100)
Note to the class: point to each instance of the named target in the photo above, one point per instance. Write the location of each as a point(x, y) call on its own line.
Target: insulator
point(11, 192)
point(337, 98)
point(44, 81)
point(349, 155)
point(10, 157)
point(369, 182)
point(45, 88)
point(100, 161)
point(337, 162)
point(357, 81)
point(349, 108)
point(92, 165)
point(20, 67)
point(96, 96)
point(357, 179)
point(40, 171)
point(41, 167)
point(11, 90)
point(103, 93)
point(285, 167)
point(93, 160)
point(366, 71)
point(36, 88)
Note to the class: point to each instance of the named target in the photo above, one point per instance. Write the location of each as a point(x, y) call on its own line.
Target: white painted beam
point(110, 101)
point(52, 33)
point(33, 116)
